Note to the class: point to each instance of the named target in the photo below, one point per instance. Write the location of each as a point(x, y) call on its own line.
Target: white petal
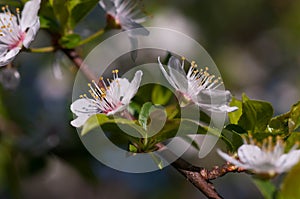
point(129, 24)
point(30, 14)
point(133, 87)
point(79, 121)
point(287, 161)
point(166, 74)
point(31, 34)
point(83, 107)
point(118, 88)
point(249, 154)
point(230, 159)
point(178, 75)
point(9, 56)
point(108, 6)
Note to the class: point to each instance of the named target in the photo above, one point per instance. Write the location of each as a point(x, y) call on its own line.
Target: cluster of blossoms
point(265, 158)
point(113, 98)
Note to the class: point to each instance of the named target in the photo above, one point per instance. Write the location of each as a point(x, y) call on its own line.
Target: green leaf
point(287, 122)
point(171, 129)
point(256, 115)
point(133, 148)
point(144, 114)
point(231, 135)
point(78, 9)
point(292, 140)
point(290, 185)
point(294, 123)
point(60, 10)
point(235, 115)
point(70, 41)
point(100, 119)
point(161, 95)
point(266, 188)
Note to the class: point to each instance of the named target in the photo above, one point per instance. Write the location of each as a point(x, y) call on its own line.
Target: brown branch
point(199, 177)
point(77, 60)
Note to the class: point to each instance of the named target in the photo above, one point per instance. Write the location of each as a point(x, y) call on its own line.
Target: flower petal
point(30, 34)
point(230, 159)
point(177, 74)
point(9, 56)
point(129, 24)
point(166, 75)
point(287, 161)
point(84, 107)
point(132, 88)
point(249, 154)
point(79, 121)
point(109, 7)
point(30, 14)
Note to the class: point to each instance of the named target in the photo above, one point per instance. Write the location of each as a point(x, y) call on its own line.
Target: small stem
point(92, 37)
point(41, 50)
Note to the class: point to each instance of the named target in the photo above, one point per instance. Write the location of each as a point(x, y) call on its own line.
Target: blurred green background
point(255, 45)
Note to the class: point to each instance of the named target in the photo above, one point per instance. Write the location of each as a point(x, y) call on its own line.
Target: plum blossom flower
point(17, 30)
point(197, 86)
point(110, 99)
point(125, 14)
point(264, 159)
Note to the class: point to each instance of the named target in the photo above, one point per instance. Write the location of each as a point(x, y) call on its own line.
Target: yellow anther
point(18, 10)
point(183, 58)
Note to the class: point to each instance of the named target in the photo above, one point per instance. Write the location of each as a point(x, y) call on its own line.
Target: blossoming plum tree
point(258, 143)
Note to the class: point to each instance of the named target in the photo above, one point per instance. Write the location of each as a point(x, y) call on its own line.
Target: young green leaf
point(256, 115)
point(235, 115)
point(144, 114)
point(70, 41)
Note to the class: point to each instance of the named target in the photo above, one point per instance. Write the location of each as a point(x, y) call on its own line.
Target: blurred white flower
point(265, 158)
point(17, 31)
point(125, 14)
point(197, 86)
point(110, 99)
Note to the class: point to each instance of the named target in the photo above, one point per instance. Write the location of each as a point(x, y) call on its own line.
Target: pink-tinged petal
point(30, 14)
point(166, 75)
point(133, 87)
point(230, 159)
point(30, 35)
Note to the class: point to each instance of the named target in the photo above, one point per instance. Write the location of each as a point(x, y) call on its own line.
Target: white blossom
point(265, 158)
point(125, 14)
point(18, 30)
point(110, 99)
point(197, 86)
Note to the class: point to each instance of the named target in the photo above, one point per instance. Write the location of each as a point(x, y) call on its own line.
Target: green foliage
point(287, 122)
point(256, 115)
point(70, 41)
point(67, 14)
point(144, 114)
point(161, 95)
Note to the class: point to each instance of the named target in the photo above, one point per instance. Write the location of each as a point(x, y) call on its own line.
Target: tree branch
point(77, 60)
point(198, 176)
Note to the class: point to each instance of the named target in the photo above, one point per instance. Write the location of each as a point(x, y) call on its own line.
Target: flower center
point(10, 30)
